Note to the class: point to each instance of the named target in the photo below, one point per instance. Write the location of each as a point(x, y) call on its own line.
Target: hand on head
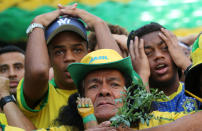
point(177, 54)
point(139, 59)
point(88, 18)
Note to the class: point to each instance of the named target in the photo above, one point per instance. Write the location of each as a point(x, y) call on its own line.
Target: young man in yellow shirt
point(62, 42)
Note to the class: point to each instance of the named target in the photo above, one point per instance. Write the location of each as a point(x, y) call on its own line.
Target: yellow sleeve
point(3, 119)
point(23, 105)
point(11, 128)
point(161, 118)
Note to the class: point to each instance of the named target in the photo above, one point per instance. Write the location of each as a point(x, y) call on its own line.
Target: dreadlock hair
point(146, 29)
point(68, 115)
point(11, 48)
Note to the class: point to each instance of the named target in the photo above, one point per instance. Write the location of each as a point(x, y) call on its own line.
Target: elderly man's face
point(103, 87)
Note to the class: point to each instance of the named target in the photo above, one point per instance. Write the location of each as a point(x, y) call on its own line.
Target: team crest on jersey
point(189, 105)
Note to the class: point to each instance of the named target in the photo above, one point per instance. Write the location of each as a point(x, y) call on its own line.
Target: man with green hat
point(193, 79)
point(103, 75)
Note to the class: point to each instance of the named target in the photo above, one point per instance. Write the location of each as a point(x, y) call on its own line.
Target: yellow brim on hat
point(102, 59)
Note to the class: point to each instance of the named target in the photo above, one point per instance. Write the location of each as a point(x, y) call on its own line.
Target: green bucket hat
point(193, 73)
point(101, 59)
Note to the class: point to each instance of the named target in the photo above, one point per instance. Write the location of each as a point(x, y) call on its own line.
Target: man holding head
point(156, 54)
point(102, 76)
point(62, 42)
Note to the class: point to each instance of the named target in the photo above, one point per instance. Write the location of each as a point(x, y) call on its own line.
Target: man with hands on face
point(62, 42)
point(157, 57)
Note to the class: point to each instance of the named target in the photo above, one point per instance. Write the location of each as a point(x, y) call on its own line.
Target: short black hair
point(11, 48)
point(146, 29)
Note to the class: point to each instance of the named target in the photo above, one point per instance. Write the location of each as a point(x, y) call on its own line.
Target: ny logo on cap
point(63, 21)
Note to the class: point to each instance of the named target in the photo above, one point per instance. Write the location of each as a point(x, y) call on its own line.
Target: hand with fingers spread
point(139, 60)
point(177, 54)
point(86, 111)
point(104, 37)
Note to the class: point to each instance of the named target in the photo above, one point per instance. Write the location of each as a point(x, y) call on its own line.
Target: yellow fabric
point(11, 128)
point(44, 118)
point(163, 118)
point(101, 56)
point(196, 57)
point(187, 31)
point(3, 119)
point(86, 111)
point(172, 96)
point(191, 94)
point(159, 118)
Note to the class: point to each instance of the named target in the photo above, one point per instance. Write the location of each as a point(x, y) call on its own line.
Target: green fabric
point(172, 14)
point(89, 118)
point(52, 81)
point(2, 127)
point(24, 104)
point(79, 70)
point(195, 45)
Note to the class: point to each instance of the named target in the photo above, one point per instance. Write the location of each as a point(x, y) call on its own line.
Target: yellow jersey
point(159, 118)
point(44, 114)
point(3, 119)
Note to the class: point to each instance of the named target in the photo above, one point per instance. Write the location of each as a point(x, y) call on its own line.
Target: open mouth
point(67, 74)
point(161, 69)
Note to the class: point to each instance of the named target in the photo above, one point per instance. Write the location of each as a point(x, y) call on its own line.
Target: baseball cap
point(102, 59)
point(193, 72)
point(65, 23)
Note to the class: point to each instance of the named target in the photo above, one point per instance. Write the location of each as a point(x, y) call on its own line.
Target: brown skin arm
point(37, 61)
point(13, 114)
point(104, 37)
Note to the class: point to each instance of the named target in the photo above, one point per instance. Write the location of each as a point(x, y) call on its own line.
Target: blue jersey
point(177, 102)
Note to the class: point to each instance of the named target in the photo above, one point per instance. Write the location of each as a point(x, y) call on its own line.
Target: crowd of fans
point(70, 80)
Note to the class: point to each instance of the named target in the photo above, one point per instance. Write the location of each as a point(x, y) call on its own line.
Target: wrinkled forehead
point(104, 73)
